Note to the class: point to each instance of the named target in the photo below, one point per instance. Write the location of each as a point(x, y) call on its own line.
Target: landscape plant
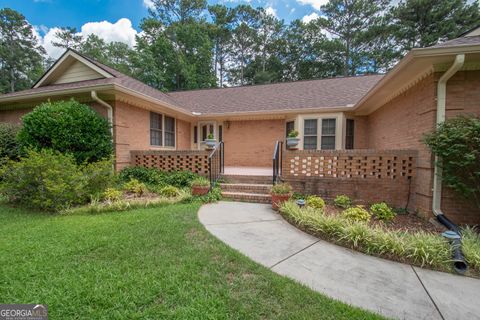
point(169, 191)
point(293, 134)
point(67, 127)
point(419, 248)
point(382, 211)
point(112, 194)
point(156, 179)
point(357, 213)
point(45, 180)
point(136, 187)
point(457, 144)
point(342, 201)
point(9, 148)
point(315, 202)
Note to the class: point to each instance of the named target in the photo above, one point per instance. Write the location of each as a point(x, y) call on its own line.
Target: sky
point(119, 20)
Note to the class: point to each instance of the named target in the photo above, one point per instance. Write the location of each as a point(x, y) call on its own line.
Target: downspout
point(109, 116)
point(109, 109)
point(441, 99)
point(458, 259)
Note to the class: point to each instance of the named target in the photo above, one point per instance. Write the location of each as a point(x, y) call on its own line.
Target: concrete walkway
point(392, 289)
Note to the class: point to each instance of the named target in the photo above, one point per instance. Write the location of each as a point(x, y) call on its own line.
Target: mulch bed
point(402, 222)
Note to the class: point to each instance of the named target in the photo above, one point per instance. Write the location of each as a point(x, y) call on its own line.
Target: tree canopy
point(186, 44)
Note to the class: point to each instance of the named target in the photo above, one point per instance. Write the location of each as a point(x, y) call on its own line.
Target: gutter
point(454, 235)
point(109, 109)
point(441, 99)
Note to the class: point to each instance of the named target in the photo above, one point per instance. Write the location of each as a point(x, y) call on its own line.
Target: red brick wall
point(402, 122)
point(251, 143)
point(365, 175)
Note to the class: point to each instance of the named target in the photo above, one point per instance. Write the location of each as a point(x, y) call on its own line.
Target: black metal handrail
point(277, 161)
point(216, 163)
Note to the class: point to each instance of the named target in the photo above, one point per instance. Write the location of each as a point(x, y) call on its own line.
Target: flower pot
point(292, 143)
point(278, 199)
point(200, 190)
point(210, 143)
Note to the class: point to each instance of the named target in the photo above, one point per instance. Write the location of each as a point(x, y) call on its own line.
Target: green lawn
point(144, 264)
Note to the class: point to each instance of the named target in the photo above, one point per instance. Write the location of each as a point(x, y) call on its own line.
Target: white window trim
point(163, 147)
point(201, 143)
point(339, 123)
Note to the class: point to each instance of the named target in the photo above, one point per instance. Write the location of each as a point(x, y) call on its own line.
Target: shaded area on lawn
point(144, 263)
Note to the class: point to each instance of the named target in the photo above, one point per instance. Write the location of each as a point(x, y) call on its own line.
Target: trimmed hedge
point(67, 127)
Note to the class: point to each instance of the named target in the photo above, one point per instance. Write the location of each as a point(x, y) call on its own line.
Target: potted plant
point(280, 192)
point(292, 139)
point(210, 141)
point(200, 186)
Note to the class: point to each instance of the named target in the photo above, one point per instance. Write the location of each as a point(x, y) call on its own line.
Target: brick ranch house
point(360, 135)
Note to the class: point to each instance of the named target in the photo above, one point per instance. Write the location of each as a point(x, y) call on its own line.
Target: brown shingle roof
point(118, 79)
point(470, 40)
point(308, 94)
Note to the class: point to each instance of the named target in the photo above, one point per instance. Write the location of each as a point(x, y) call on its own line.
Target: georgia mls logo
point(23, 312)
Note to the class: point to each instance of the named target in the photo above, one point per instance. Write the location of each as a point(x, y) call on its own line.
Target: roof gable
point(72, 67)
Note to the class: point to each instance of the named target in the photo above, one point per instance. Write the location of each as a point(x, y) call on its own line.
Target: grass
point(417, 248)
point(144, 264)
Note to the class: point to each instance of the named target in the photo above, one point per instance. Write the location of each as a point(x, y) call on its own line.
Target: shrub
point(136, 187)
point(382, 211)
point(44, 179)
point(169, 191)
point(9, 147)
point(112, 194)
point(214, 195)
point(281, 189)
point(99, 176)
point(201, 182)
point(342, 201)
point(418, 248)
point(315, 202)
point(157, 179)
point(357, 213)
point(457, 143)
point(67, 127)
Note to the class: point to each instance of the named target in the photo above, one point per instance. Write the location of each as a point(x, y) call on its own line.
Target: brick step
point(246, 187)
point(232, 178)
point(247, 197)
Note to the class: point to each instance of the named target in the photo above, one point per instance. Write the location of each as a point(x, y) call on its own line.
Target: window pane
point(220, 133)
point(155, 138)
point(350, 133)
point(310, 127)
point(328, 126)
point(195, 134)
point(290, 126)
point(169, 124)
point(155, 121)
point(204, 132)
point(328, 142)
point(169, 139)
point(310, 142)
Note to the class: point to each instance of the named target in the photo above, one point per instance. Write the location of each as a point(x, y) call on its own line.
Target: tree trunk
point(12, 80)
point(347, 58)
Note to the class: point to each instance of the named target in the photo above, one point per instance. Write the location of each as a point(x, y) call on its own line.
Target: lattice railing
point(348, 164)
point(191, 160)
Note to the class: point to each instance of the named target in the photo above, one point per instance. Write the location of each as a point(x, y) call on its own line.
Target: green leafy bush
point(471, 247)
point(315, 202)
point(99, 176)
point(214, 195)
point(67, 127)
point(9, 147)
point(201, 182)
point(417, 248)
point(457, 143)
point(169, 191)
point(293, 134)
point(342, 201)
point(382, 211)
point(46, 180)
point(157, 179)
point(357, 213)
point(281, 189)
point(112, 194)
point(136, 187)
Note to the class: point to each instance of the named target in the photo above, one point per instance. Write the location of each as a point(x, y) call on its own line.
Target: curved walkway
point(392, 289)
